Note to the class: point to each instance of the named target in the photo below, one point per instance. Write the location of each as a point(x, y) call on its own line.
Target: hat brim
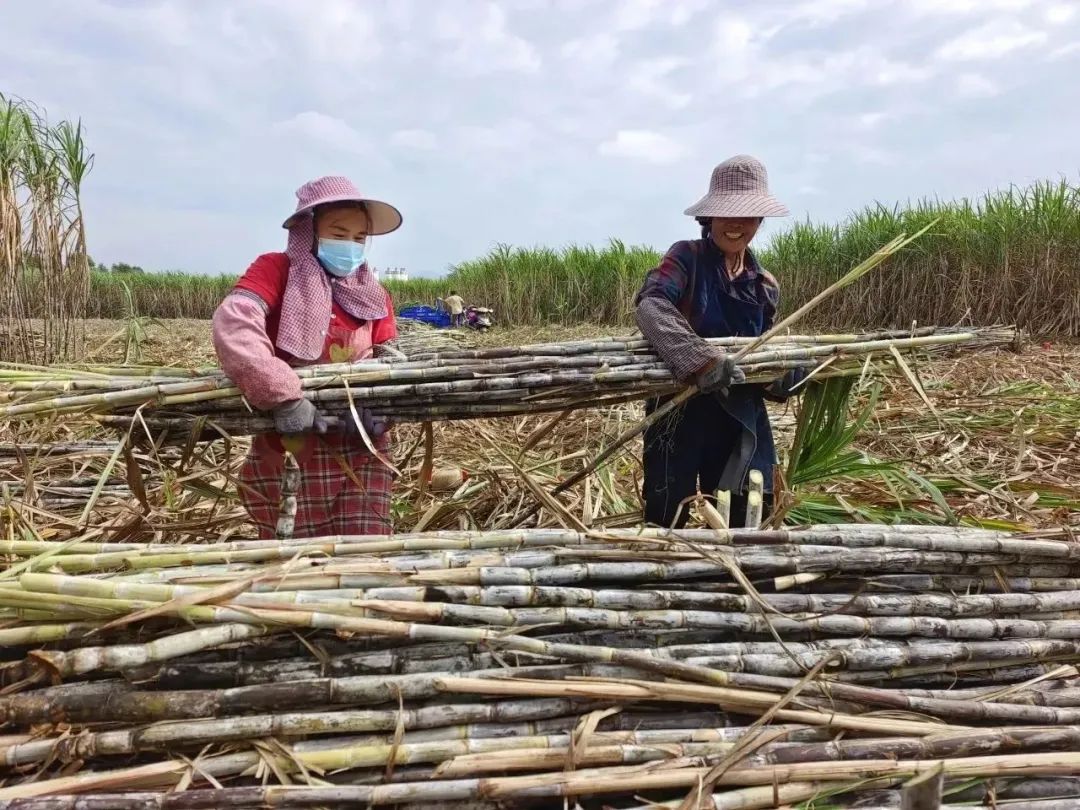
point(385, 218)
point(737, 205)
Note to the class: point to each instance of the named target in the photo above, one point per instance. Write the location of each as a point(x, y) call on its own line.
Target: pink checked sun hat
point(739, 188)
point(384, 217)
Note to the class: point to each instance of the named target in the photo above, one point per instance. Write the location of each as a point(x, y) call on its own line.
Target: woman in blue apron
point(707, 288)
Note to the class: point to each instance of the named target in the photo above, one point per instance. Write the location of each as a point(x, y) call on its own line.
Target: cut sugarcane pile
point(517, 669)
point(416, 338)
point(462, 384)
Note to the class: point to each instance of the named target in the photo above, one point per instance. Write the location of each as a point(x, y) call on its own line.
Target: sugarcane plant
point(823, 460)
point(135, 331)
point(44, 267)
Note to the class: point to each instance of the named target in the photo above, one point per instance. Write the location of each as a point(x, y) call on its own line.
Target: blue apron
point(720, 313)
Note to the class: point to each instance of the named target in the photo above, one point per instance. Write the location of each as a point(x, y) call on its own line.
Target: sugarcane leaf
point(543, 430)
point(135, 479)
point(583, 731)
point(911, 378)
point(935, 494)
point(429, 461)
point(359, 423)
point(93, 499)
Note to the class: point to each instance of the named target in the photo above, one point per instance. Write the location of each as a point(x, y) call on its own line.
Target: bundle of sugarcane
point(462, 384)
point(741, 668)
point(416, 338)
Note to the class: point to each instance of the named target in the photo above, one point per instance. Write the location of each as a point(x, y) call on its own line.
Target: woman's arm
point(242, 344)
point(681, 349)
point(658, 317)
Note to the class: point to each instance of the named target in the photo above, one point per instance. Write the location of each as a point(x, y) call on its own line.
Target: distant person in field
point(318, 302)
point(456, 305)
point(712, 287)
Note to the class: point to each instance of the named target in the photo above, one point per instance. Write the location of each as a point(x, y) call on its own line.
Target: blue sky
point(533, 121)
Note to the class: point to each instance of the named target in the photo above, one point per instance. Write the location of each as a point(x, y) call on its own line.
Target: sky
point(533, 122)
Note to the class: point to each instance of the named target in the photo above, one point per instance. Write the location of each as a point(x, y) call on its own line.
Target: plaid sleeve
point(684, 352)
point(661, 321)
point(670, 278)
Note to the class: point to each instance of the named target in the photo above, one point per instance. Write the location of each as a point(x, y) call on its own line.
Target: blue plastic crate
point(428, 315)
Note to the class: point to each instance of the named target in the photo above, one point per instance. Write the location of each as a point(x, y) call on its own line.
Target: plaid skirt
point(344, 489)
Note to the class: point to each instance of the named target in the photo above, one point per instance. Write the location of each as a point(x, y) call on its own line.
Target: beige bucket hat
point(739, 188)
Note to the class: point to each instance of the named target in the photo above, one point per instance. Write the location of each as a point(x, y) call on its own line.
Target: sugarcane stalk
point(928, 538)
point(117, 700)
point(785, 795)
point(587, 781)
point(430, 720)
point(290, 487)
point(483, 376)
point(755, 500)
point(752, 690)
point(880, 659)
point(128, 656)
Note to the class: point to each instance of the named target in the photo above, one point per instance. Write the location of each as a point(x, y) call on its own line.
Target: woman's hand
point(785, 387)
point(298, 416)
point(719, 375)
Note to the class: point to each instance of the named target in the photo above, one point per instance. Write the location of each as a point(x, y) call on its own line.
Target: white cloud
point(632, 15)
point(751, 68)
point(991, 41)
point(595, 52)
point(643, 145)
point(482, 42)
point(884, 71)
point(820, 12)
point(343, 32)
point(871, 155)
point(325, 130)
point(735, 46)
point(637, 15)
point(975, 85)
point(514, 136)
point(872, 120)
point(649, 78)
point(1065, 51)
point(1059, 14)
point(946, 7)
point(421, 140)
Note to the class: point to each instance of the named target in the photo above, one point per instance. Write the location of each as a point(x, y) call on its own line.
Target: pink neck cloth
point(310, 293)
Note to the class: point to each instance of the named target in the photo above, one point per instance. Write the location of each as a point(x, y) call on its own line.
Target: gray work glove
point(374, 425)
point(298, 416)
point(720, 376)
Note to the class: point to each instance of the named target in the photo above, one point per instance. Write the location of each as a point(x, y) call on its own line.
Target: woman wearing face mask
point(315, 303)
point(706, 288)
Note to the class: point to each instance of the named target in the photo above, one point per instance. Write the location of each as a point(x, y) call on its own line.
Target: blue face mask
point(340, 257)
